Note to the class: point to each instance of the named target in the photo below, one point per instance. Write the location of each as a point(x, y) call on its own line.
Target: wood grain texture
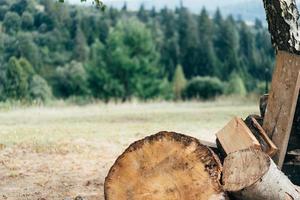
point(252, 175)
point(237, 136)
point(282, 102)
point(244, 168)
point(165, 166)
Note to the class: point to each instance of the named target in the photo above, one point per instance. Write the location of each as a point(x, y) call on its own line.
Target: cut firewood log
point(252, 175)
point(165, 166)
point(236, 136)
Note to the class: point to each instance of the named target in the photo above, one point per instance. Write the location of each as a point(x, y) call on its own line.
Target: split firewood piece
point(166, 166)
point(266, 143)
point(236, 136)
point(251, 174)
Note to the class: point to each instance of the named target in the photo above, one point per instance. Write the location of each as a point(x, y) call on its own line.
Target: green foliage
point(11, 22)
point(100, 81)
point(27, 48)
point(203, 88)
point(132, 60)
point(27, 21)
point(179, 82)
point(80, 49)
point(16, 86)
point(119, 54)
point(236, 85)
point(71, 80)
point(39, 90)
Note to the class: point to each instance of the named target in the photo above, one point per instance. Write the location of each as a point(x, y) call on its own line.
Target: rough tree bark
point(282, 17)
point(252, 175)
point(166, 166)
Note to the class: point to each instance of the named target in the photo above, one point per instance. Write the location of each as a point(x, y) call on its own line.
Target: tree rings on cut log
point(252, 175)
point(165, 166)
point(244, 168)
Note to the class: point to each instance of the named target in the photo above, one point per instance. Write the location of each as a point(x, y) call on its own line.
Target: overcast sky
point(194, 5)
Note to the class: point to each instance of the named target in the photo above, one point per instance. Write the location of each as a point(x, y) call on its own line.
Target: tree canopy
point(121, 54)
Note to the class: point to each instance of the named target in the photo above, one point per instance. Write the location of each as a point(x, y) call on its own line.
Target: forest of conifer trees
point(51, 50)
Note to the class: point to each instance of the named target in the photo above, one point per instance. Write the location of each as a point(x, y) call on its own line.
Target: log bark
point(166, 166)
point(252, 175)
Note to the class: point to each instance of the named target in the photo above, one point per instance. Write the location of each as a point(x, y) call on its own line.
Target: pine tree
point(133, 61)
point(226, 45)
point(207, 63)
point(179, 82)
point(143, 14)
point(188, 42)
point(80, 49)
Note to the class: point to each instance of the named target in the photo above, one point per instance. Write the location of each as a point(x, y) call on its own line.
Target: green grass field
point(64, 151)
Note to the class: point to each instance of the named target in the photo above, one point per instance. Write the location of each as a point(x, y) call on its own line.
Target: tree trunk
point(252, 175)
point(282, 17)
point(165, 166)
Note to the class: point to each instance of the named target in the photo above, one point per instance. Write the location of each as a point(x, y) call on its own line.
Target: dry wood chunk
point(252, 175)
point(236, 136)
point(165, 166)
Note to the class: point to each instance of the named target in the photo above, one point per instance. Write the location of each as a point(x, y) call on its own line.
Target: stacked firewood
point(173, 166)
point(246, 161)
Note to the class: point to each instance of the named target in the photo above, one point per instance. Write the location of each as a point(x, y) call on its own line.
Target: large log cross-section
point(282, 17)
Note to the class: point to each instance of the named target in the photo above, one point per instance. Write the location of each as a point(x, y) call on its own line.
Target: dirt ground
point(57, 174)
point(60, 153)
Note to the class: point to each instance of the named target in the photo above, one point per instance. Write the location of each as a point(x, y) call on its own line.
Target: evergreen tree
point(80, 49)
point(98, 78)
point(246, 45)
point(179, 82)
point(169, 50)
point(46, 35)
point(188, 42)
point(226, 44)
point(207, 58)
point(142, 14)
point(132, 60)
point(124, 8)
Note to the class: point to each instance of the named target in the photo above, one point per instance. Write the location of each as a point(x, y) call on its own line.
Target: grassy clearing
point(117, 122)
point(59, 152)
